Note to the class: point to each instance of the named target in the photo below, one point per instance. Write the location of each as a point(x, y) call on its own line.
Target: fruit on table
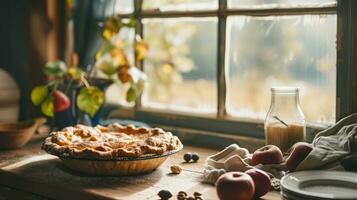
point(261, 181)
point(60, 102)
point(298, 153)
point(195, 157)
point(235, 186)
point(187, 157)
point(269, 154)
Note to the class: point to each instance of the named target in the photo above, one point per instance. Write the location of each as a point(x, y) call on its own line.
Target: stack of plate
point(319, 185)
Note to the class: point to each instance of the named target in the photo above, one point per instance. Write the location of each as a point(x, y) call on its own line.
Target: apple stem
point(55, 86)
point(281, 121)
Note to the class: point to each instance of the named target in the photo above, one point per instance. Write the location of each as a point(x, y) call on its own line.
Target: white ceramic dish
point(320, 185)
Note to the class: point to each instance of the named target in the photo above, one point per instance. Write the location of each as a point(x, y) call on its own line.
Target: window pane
point(263, 52)
point(166, 5)
point(181, 64)
point(279, 3)
point(124, 6)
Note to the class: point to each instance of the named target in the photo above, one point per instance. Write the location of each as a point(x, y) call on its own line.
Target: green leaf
point(90, 100)
point(131, 94)
point(55, 68)
point(47, 107)
point(38, 94)
point(107, 68)
point(75, 72)
point(107, 46)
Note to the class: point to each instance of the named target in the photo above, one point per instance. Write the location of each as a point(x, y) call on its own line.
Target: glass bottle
point(285, 122)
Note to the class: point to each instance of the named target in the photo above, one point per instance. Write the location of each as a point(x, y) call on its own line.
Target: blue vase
point(68, 117)
point(73, 115)
point(102, 84)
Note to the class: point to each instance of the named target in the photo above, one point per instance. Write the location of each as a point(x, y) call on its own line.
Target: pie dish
point(112, 149)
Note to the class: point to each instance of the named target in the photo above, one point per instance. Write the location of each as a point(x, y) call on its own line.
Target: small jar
point(285, 122)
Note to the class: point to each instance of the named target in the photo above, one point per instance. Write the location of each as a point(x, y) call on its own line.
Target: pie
point(110, 142)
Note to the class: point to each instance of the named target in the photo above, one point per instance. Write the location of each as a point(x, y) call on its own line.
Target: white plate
point(321, 184)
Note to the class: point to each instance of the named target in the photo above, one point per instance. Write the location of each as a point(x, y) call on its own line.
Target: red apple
point(298, 153)
point(261, 181)
point(268, 154)
point(60, 101)
point(235, 186)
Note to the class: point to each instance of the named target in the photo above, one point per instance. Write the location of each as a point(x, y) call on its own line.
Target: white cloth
point(330, 147)
point(232, 158)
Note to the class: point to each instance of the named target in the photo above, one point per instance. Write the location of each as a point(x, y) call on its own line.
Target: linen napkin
point(231, 158)
point(333, 145)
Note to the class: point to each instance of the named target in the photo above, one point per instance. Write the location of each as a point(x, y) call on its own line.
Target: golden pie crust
point(111, 142)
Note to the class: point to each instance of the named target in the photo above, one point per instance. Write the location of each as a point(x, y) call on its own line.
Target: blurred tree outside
point(261, 52)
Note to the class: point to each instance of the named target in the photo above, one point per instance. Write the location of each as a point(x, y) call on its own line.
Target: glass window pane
point(124, 6)
point(181, 64)
point(263, 52)
point(170, 5)
point(279, 3)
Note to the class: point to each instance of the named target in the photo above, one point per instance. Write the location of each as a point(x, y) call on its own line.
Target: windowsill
point(205, 130)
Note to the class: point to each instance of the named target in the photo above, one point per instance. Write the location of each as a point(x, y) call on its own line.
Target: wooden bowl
point(15, 135)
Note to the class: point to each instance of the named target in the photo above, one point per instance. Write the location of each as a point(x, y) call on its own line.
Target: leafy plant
point(111, 60)
point(50, 99)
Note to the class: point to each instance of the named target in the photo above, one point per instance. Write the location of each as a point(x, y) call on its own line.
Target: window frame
point(346, 80)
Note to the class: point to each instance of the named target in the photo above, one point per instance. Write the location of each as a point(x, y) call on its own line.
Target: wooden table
point(33, 174)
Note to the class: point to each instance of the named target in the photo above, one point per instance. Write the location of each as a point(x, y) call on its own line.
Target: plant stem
point(68, 86)
point(85, 82)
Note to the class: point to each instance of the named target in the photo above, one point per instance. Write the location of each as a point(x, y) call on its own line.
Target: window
point(297, 50)
point(215, 60)
point(181, 69)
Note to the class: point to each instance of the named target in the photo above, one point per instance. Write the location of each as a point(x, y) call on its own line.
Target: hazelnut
point(175, 169)
point(197, 194)
point(182, 193)
point(181, 197)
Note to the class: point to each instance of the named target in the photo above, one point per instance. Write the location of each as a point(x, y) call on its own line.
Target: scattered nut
point(182, 193)
point(187, 157)
point(190, 198)
point(181, 197)
point(197, 194)
point(198, 198)
point(164, 194)
point(175, 169)
point(195, 157)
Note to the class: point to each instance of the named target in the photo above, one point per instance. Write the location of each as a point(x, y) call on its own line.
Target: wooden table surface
point(32, 171)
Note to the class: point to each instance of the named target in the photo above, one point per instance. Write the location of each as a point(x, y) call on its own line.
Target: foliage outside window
point(295, 49)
